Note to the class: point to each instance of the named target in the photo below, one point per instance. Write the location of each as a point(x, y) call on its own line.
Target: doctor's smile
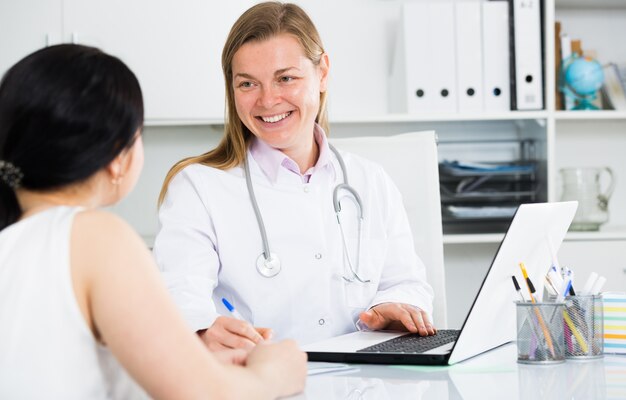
point(276, 118)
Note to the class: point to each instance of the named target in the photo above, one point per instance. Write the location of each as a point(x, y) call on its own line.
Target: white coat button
point(318, 256)
point(306, 189)
point(321, 321)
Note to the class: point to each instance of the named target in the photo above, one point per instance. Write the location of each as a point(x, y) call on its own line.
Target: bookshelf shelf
point(590, 115)
point(606, 234)
point(184, 122)
point(401, 118)
point(382, 119)
point(591, 4)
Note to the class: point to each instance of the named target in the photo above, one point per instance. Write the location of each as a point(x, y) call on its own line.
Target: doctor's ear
point(324, 68)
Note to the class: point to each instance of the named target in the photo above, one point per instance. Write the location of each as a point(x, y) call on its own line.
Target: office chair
point(411, 161)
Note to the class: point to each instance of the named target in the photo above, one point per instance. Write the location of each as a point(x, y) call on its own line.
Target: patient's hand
point(232, 333)
point(232, 356)
point(398, 316)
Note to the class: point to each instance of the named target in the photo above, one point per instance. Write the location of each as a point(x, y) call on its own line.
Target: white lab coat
point(209, 241)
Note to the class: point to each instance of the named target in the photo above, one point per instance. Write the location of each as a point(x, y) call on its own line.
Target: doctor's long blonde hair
point(260, 22)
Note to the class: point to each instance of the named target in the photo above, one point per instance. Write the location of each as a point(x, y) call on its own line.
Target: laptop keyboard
point(413, 343)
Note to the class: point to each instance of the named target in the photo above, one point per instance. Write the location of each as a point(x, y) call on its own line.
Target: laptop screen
point(491, 319)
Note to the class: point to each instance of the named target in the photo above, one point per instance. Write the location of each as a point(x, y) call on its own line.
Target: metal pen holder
point(583, 327)
point(540, 333)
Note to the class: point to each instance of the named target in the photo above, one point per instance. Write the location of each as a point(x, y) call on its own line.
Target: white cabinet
point(174, 48)
point(25, 26)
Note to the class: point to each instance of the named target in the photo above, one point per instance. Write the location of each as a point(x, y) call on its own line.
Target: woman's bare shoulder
point(101, 233)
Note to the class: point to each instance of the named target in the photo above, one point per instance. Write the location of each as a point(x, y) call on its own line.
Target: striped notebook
point(614, 322)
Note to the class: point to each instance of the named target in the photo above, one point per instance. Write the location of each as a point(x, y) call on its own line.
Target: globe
point(581, 78)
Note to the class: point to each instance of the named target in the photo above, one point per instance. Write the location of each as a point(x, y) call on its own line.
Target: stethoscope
point(268, 263)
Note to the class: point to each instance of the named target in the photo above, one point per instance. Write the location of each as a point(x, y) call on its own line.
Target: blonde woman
point(254, 222)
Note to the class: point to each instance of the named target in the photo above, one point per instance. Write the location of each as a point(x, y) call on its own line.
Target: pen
point(564, 290)
point(550, 287)
point(535, 334)
point(544, 328)
point(518, 289)
point(581, 341)
point(571, 286)
point(589, 283)
point(598, 285)
point(529, 284)
point(555, 277)
point(232, 310)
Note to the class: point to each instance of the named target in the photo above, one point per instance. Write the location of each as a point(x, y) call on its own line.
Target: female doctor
point(305, 242)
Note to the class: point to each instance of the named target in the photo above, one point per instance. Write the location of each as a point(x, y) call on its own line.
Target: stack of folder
point(614, 322)
point(468, 56)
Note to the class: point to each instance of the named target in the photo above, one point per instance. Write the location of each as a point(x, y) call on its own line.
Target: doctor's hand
point(232, 333)
point(398, 316)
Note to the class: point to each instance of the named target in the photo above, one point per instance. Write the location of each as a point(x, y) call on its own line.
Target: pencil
point(544, 328)
point(581, 341)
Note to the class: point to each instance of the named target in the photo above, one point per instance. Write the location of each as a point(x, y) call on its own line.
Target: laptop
point(491, 321)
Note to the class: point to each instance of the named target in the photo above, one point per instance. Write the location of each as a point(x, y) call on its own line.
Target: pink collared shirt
point(270, 160)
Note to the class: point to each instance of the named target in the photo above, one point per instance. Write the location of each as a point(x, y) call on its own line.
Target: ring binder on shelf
point(495, 41)
point(423, 78)
point(526, 50)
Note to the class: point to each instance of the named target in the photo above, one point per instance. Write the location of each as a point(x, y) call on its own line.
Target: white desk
point(493, 375)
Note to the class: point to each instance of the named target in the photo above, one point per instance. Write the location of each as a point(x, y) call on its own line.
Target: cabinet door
point(26, 26)
point(174, 48)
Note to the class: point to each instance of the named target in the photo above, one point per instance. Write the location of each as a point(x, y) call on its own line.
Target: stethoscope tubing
point(268, 264)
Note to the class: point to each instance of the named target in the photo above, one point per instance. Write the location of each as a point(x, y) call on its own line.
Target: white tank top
point(46, 348)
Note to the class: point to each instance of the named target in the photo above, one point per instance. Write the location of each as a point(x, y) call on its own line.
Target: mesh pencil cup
point(540, 333)
point(583, 327)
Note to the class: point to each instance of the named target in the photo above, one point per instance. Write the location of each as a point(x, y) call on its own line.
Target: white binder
point(496, 73)
point(469, 67)
point(528, 55)
point(423, 78)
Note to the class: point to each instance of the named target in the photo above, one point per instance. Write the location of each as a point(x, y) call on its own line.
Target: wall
point(163, 146)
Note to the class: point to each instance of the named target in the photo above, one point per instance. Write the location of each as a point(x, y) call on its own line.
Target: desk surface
point(493, 375)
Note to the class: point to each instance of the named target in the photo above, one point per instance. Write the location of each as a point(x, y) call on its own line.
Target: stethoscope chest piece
point(268, 267)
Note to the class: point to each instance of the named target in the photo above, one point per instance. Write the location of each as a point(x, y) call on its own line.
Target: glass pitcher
point(584, 185)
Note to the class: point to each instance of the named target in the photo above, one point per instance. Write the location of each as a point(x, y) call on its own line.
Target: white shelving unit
point(184, 116)
point(574, 138)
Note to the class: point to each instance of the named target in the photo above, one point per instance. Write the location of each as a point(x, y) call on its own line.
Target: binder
point(613, 88)
point(469, 67)
point(527, 66)
point(495, 41)
point(558, 96)
point(423, 78)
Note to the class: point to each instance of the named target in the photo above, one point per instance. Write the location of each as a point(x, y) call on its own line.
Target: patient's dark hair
point(66, 111)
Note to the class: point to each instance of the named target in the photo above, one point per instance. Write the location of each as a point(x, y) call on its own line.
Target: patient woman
point(79, 291)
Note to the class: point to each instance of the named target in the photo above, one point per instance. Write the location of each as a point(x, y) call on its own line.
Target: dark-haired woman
point(80, 296)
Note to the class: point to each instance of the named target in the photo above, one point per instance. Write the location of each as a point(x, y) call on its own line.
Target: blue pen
point(568, 285)
point(232, 310)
